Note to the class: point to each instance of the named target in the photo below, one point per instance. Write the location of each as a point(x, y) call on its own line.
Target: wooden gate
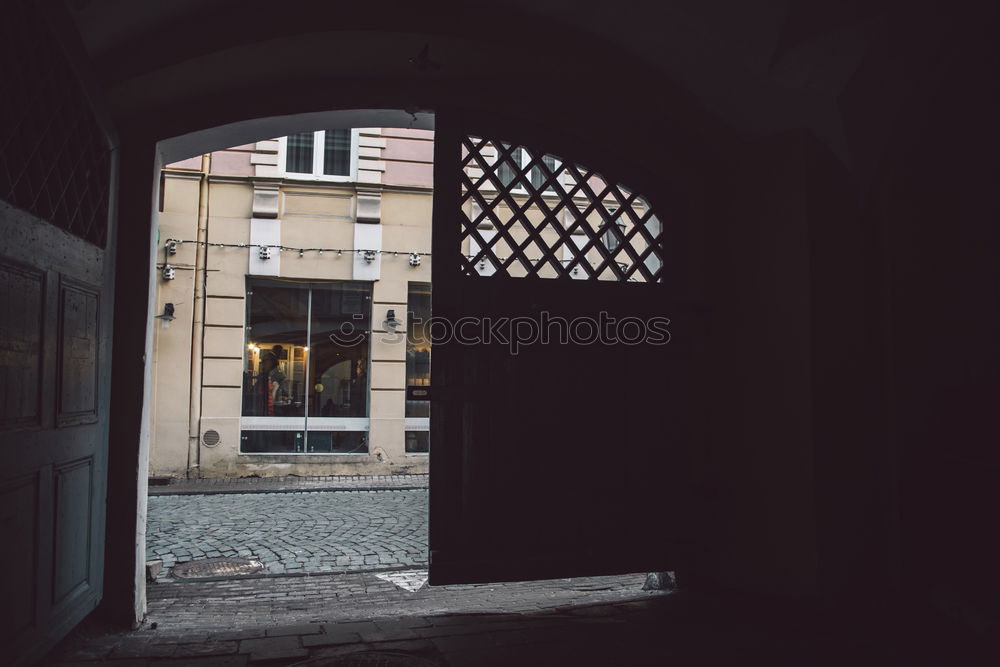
point(558, 405)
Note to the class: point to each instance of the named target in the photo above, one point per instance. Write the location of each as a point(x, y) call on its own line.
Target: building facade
point(287, 268)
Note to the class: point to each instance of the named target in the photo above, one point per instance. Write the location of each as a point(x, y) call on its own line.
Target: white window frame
point(319, 139)
point(525, 160)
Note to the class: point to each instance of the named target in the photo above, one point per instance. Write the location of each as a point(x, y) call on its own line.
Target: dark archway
point(798, 138)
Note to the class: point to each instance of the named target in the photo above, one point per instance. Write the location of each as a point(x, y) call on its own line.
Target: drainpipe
point(198, 323)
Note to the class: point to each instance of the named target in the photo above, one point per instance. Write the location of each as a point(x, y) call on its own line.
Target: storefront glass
point(418, 367)
point(305, 383)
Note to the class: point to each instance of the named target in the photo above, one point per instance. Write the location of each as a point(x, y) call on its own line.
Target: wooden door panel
point(19, 521)
point(79, 311)
point(21, 291)
point(72, 531)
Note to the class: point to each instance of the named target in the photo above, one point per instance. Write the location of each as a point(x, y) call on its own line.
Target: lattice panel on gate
point(530, 214)
point(54, 159)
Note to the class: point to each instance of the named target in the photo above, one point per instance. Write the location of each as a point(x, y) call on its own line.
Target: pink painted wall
point(190, 163)
point(409, 157)
point(407, 134)
point(408, 173)
point(408, 150)
point(231, 163)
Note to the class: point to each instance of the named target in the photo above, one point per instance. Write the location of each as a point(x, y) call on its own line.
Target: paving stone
point(331, 639)
point(143, 649)
point(310, 532)
point(303, 629)
point(213, 661)
point(406, 645)
point(206, 648)
point(269, 644)
point(245, 633)
point(134, 662)
point(361, 627)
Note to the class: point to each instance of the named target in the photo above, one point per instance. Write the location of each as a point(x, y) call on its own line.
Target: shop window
point(418, 442)
point(322, 155)
point(418, 368)
point(305, 384)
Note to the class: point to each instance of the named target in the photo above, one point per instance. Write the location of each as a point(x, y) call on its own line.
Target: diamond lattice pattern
point(54, 159)
point(529, 214)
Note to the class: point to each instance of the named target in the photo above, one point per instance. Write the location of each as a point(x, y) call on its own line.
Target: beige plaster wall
point(310, 215)
point(172, 361)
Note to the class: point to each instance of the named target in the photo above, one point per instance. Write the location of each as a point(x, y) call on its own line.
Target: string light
point(368, 254)
point(171, 244)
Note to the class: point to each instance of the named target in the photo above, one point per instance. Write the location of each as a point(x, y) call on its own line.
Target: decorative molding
point(371, 165)
point(369, 206)
point(370, 177)
point(183, 175)
point(267, 170)
point(264, 158)
point(265, 199)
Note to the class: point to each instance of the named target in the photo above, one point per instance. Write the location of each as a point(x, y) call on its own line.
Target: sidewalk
point(600, 634)
point(288, 484)
point(656, 629)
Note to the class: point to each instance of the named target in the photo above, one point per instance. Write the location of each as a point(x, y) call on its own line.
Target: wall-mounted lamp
point(168, 272)
point(390, 320)
point(369, 256)
point(167, 316)
point(264, 252)
point(414, 259)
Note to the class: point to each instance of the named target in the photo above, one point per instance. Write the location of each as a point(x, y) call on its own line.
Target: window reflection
point(274, 376)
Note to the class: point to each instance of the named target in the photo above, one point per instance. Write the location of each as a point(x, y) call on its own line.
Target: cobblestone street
point(346, 573)
point(294, 532)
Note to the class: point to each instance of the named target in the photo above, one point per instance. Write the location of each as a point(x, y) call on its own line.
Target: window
point(305, 381)
point(329, 155)
point(418, 368)
point(613, 233)
point(511, 169)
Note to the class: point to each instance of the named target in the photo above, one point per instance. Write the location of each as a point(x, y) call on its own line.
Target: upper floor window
point(328, 155)
point(520, 158)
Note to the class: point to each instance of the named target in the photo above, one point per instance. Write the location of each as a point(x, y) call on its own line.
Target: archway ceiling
point(757, 67)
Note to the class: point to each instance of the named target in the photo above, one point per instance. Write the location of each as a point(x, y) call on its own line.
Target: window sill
point(298, 457)
point(312, 178)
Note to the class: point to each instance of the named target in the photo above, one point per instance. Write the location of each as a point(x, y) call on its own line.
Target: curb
point(212, 492)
